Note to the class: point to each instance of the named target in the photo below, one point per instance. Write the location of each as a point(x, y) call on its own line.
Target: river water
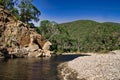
point(32, 68)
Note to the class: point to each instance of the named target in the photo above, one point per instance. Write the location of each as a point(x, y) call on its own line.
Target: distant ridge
point(94, 35)
point(90, 21)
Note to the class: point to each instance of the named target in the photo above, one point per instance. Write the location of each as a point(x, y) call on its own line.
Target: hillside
point(94, 36)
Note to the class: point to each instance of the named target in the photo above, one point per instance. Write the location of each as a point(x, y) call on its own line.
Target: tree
point(10, 5)
point(23, 10)
point(58, 35)
point(46, 26)
point(28, 11)
point(7, 4)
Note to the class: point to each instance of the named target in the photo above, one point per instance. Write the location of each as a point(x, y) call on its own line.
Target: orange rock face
point(17, 38)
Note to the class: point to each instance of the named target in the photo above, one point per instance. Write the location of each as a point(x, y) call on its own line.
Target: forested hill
point(80, 28)
point(94, 36)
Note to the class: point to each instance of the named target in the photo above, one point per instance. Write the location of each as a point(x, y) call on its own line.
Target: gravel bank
point(97, 67)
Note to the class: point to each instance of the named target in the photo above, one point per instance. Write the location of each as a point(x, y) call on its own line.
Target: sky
point(62, 11)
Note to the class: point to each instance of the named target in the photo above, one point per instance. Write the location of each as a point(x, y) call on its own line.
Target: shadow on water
point(33, 68)
point(69, 57)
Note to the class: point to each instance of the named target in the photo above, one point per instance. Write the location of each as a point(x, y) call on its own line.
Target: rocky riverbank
point(18, 39)
point(94, 67)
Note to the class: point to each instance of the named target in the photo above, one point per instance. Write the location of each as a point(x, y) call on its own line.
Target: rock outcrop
point(19, 40)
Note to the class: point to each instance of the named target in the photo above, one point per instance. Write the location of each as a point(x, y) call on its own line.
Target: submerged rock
point(20, 40)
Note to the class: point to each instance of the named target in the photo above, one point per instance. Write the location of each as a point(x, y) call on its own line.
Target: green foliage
point(93, 36)
point(23, 10)
point(7, 4)
point(28, 11)
point(83, 36)
point(46, 28)
point(57, 34)
point(15, 12)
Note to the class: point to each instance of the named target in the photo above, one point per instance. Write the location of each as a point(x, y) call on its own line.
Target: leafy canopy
point(23, 10)
point(28, 11)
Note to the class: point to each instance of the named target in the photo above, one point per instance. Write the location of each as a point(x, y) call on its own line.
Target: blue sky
point(70, 10)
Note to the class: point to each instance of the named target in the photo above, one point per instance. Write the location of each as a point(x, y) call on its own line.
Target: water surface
point(32, 68)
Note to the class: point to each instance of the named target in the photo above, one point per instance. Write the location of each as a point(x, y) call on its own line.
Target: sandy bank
point(94, 67)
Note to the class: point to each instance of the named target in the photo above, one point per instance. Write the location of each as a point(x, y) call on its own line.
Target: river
point(32, 68)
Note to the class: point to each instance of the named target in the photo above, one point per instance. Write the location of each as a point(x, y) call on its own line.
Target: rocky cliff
point(19, 40)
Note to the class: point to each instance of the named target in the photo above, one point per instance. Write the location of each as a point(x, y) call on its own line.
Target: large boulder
point(37, 53)
point(46, 48)
point(33, 47)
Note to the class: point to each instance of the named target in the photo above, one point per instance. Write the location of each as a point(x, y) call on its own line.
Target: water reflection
point(32, 69)
point(27, 69)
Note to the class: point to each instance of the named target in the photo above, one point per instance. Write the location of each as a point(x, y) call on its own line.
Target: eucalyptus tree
point(10, 5)
point(7, 4)
point(28, 11)
point(46, 26)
